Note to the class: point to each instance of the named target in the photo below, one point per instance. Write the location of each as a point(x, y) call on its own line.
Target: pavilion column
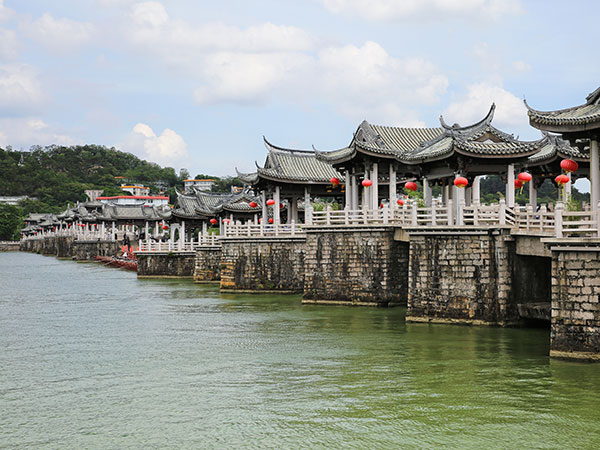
point(445, 194)
point(145, 229)
point(567, 189)
point(155, 228)
point(182, 232)
point(375, 186)
point(365, 204)
point(393, 197)
point(204, 229)
point(276, 209)
point(348, 189)
point(306, 203)
point(476, 193)
point(532, 195)
point(102, 229)
point(426, 192)
point(113, 231)
point(354, 182)
point(594, 173)
point(294, 209)
point(468, 195)
point(265, 211)
point(510, 186)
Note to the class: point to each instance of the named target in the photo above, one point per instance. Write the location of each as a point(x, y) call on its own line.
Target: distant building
point(201, 185)
point(135, 189)
point(237, 189)
point(93, 194)
point(145, 200)
point(14, 200)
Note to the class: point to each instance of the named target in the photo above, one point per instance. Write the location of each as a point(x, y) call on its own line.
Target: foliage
point(58, 175)
point(11, 220)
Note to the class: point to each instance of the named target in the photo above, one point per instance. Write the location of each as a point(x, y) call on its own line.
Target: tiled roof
point(133, 212)
point(586, 114)
point(554, 147)
point(405, 139)
point(202, 205)
point(296, 166)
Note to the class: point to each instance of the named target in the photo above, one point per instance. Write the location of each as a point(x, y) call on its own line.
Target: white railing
point(208, 240)
point(259, 229)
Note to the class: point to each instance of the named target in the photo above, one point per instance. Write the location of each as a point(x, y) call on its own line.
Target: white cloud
point(395, 10)
point(5, 13)
point(381, 88)
point(23, 132)
point(20, 90)
point(9, 44)
point(59, 34)
point(167, 149)
point(510, 110)
point(521, 66)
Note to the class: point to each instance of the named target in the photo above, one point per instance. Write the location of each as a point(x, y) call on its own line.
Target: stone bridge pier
point(461, 276)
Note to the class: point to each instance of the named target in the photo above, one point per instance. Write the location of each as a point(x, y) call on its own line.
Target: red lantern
point(400, 202)
point(226, 221)
point(524, 177)
point(253, 204)
point(367, 183)
point(410, 186)
point(270, 220)
point(381, 205)
point(519, 184)
point(561, 180)
point(214, 221)
point(335, 181)
point(165, 227)
point(260, 220)
point(281, 206)
point(270, 202)
point(568, 165)
point(461, 182)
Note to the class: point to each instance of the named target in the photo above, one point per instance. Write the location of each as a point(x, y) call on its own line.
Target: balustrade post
point(460, 219)
point(328, 215)
point(558, 220)
point(475, 206)
point(543, 213)
point(346, 218)
point(293, 227)
point(308, 214)
point(413, 213)
point(433, 213)
point(450, 211)
point(502, 212)
point(386, 214)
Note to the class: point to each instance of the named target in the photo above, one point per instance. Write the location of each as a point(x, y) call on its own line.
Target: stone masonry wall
point(207, 267)
point(461, 277)
point(267, 264)
point(575, 323)
point(9, 246)
point(360, 267)
point(86, 250)
point(167, 265)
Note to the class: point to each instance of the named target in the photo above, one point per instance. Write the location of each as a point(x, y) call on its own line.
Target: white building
point(135, 189)
point(201, 185)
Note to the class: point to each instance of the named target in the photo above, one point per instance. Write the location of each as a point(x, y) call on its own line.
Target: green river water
point(92, 357)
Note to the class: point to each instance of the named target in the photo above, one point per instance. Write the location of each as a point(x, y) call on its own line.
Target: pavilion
point(580, 125)
point(291, 174)
point(385, 155)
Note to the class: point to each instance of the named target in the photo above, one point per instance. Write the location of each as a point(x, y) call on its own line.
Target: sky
point(197, 84)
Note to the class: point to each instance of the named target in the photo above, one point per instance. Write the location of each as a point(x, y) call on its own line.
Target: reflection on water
point(92, 357)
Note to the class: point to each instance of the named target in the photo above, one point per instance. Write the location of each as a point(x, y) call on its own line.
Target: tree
point(11, 220)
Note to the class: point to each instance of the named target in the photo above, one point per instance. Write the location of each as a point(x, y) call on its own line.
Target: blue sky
point(197, 84)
